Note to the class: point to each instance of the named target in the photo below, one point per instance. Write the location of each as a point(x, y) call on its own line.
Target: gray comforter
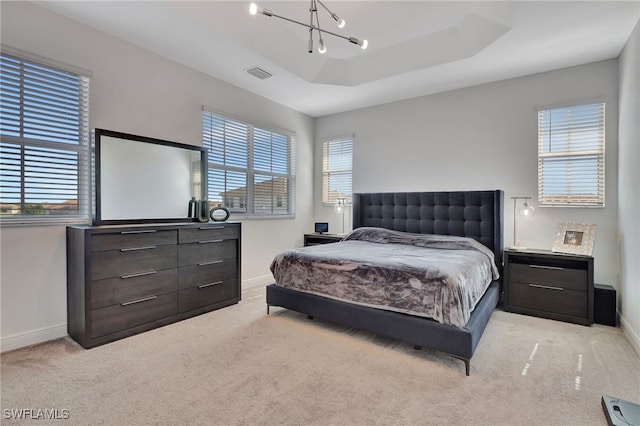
point(434, 276)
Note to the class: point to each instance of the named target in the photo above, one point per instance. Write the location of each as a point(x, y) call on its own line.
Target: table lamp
point(527, 211)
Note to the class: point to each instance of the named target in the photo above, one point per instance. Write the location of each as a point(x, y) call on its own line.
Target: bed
point(477, 215)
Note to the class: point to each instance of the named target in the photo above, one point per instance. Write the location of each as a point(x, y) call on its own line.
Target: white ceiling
point(415, 47)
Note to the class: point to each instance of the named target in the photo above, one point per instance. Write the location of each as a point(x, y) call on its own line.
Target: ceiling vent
point(259, 72)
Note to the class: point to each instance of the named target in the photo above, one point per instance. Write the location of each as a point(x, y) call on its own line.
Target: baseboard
point(257, 281)
point(32, 337)
point(41, 335)
point(630, 334)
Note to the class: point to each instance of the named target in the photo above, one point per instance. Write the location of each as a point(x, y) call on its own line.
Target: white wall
point(629, 188)
point(483, 137)
point(132, 91)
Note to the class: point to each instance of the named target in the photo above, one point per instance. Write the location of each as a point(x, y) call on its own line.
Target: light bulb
point(322, 48)
point(253, 8)
point(341, 22)
point(527, 211)
point(364, 45)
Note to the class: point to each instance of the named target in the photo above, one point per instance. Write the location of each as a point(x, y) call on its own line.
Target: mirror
point(140, 179)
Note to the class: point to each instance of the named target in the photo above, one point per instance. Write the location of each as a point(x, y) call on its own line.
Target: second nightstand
point(548, 284)
point(315, 239)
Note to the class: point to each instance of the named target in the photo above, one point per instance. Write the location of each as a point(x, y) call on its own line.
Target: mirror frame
point(97, 217)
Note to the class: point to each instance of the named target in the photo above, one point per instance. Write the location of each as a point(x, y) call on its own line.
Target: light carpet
point(238, 366)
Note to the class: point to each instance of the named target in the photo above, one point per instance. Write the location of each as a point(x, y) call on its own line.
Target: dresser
point(550, 285)
point(123, 280)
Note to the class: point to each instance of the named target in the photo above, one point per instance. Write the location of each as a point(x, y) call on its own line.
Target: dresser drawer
point(564, 302)
point(118, 263)
point(207, 294)
point(194, 275)
point(114, 291)
point(206, 252)
point(208, 233)
point(541, 274)
point(132, 313)
point(131, 239)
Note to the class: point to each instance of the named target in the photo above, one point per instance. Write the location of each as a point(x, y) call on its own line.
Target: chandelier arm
point(317, 20)
point(333, 15)
point(325, 7)
point(313, 27)
point(311, 9)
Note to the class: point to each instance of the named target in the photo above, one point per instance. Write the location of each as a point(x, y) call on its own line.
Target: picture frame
point(574, 238)
point(321, 227)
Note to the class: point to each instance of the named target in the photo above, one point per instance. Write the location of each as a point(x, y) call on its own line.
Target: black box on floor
point(604, 304)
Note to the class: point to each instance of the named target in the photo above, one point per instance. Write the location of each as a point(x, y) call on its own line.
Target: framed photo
point(574, 238)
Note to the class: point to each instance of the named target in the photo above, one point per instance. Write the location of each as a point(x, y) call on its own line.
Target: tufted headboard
point(474, 214)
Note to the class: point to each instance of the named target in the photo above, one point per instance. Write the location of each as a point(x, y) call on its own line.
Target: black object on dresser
point(315, 239)
point(123, 280)
point(548, 284)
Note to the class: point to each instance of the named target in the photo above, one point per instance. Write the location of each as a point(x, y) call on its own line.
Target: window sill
point(8, 223)
point(240, 216)
point(571, 206)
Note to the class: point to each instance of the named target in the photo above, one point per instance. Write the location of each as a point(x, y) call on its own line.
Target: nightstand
point(315, 239)
point(547, 284)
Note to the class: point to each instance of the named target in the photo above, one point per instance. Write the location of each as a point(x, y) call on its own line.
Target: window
point(251, 169)
point(44, 143)
point(571, 156)
point(337, 157)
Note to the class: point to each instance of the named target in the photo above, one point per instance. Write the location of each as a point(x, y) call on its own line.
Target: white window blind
point(571, 144)
point(337, 157)
point(44, 143)
point(251, 169)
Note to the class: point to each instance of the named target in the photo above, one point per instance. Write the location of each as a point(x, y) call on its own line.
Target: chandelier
point(313, 25)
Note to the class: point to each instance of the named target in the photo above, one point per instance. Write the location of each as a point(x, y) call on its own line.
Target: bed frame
point(475, 214)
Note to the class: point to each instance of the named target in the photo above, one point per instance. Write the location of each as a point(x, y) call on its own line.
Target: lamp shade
point(526, 210)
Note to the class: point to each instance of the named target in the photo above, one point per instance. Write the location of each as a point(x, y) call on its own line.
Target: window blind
point(44, 143)
point(251, 169)
point(337, 157)
point(571, 144)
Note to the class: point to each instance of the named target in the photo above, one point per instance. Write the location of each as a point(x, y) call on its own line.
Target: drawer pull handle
point(141, 274)
point(548, 287)
point(211, 227)
point(210, 284)
point(213, 262)
point(555, 268)
point(210, 241)
point(147, 231)
point(144, 299)
point(138, 248)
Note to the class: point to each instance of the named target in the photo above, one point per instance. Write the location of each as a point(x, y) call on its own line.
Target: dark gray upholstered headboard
point(474, 214)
